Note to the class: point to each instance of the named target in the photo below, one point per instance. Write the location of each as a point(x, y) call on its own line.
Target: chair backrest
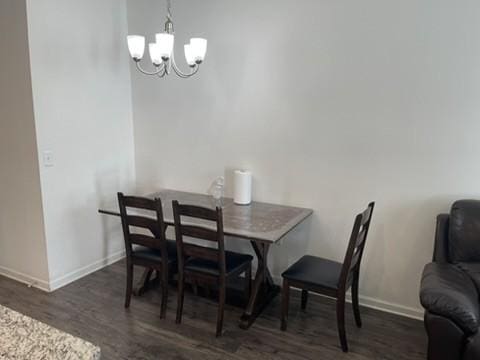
point(154, 224)
point(185, 249)
point(356, 245)
point(464, 231)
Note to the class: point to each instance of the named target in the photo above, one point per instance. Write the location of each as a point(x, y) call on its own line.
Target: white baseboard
point(410, 312)
point(84, 271)
point(24, 278)
point(397, 309)
point(385, 306)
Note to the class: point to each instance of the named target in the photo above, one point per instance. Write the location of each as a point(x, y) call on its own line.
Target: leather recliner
point(450, 286)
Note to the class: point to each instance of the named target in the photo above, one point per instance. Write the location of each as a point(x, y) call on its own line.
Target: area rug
point(22, 337)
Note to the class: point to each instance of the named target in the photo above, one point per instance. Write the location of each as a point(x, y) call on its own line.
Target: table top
point(257, 221)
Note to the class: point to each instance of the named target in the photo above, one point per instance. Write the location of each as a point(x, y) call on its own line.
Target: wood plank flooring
point(92, 308)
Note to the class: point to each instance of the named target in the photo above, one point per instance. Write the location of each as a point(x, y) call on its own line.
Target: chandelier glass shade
point(162, 54)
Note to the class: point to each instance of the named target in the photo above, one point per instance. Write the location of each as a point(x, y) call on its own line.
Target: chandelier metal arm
point(168, 67)
point(181, 74)
point(193, 70)
point(163, 73)
point(158, 71)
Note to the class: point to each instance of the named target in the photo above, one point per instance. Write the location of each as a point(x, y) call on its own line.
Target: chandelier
point(161, 51)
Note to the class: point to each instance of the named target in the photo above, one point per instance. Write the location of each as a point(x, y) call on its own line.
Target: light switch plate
point(48, 158)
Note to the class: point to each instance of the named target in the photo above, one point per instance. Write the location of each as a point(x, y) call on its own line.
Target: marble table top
point(257, 221)
point(24, 338)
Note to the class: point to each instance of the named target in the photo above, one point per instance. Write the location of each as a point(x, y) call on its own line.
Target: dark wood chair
point(153, 252)
point(331, 278)
point(201, 264)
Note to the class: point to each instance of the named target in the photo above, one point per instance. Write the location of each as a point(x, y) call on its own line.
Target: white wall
point(22, 242)
point(82, 102)
point(331, 104)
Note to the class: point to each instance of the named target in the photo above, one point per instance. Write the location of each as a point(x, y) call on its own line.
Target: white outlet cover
point(48, 158)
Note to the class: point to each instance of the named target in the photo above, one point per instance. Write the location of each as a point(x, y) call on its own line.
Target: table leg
point(142, 284)
point(144, 281)
point(263, 289)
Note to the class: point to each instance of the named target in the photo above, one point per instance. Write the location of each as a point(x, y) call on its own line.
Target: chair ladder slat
point(145, 240)
point(198, 212)
point(139, 202)
point(201, 252)
point(143, 222)
point(199, 232)
point(361, 237)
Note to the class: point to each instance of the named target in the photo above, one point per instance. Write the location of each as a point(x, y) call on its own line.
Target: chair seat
point(154, 255)
point(315, 271)
point(234, 262)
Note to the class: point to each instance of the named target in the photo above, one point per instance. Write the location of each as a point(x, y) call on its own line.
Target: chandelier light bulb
point(189, 55)
point(155, 54)
point(165, 45)
point(136, 46)
point(199, 49)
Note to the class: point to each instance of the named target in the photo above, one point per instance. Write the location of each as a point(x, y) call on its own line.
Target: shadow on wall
point(412, 225)
point(107, 184)
point(293, 246)
point(283, 253)
point(106, 49)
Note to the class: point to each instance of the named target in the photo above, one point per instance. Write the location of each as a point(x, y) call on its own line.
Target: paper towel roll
point(242, 192)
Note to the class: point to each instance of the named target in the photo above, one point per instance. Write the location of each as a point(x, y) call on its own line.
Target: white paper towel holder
point(242, 192)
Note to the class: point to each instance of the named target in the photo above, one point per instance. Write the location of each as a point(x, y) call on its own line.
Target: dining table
point(261, 224)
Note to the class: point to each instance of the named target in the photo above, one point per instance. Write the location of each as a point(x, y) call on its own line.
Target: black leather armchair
point(449, 289)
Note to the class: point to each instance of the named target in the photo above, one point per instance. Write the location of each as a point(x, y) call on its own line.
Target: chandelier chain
point(169, 10)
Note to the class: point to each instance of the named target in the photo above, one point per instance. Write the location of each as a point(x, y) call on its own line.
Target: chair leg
point(248, 283)
point(180, 296)
point(356, 307)
point(221, 308)
point(304, 299)
point(163, 307)
point(341, 322)
point(285, 301)
point(128, 292)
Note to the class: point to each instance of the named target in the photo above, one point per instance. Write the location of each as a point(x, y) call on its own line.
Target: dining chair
point(331, 278)
point(209, 265)
point(153, 251)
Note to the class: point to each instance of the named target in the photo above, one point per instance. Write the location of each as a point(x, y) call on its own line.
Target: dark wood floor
point(92, 308)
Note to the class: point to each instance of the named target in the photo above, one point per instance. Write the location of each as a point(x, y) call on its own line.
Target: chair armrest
point(447, 291)
point(440, 251)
